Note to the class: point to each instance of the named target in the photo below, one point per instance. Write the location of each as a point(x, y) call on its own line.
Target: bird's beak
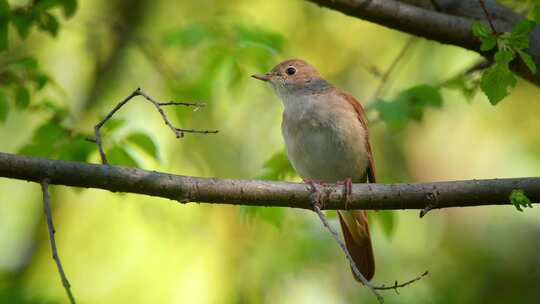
point(263, 77)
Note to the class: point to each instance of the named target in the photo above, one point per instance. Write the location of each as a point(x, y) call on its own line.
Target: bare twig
point(178, 132)
point(392, 67)
point(488, 17)
point(316, 207)
point(397, 285)
point(48, 217)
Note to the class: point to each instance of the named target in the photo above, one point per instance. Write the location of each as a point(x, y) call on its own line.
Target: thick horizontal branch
point(265, 193)
point(451, 24)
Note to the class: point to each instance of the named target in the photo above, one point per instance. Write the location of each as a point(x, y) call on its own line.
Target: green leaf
point(48, 23)
point(519, 36)
point(523, 27)
point(481, 30)
point(277, 167)
point(113, 124)
point(69, 7)
point(46, 141)
point(485, 35)
point(4, 107)
point(409, 104)
point(387, 220)
point(496, 82)
point(22, 97)
point(504, 57)
point(23, 21)
point(144, 142)
point(519, 199)
point(528, 61)
point(4, 19)
point(119, 156)
point(250, 36)
point(41, 80)
point(77, 149)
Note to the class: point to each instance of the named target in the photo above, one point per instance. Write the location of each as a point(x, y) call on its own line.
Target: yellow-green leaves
point(143, 142)
point(499, 79)
point(519, 199)
point(409, 105)
point(36, 13)
point(487, 38)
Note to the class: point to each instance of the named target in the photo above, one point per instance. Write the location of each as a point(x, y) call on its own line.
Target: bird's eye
point(290, 71)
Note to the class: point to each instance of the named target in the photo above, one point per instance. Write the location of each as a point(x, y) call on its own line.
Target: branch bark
point(450, 23)
point(186, 189)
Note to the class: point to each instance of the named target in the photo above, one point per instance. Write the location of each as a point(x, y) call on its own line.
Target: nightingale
point(326, 138)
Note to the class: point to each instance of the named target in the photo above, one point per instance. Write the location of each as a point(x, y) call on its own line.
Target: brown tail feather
point(358, 241)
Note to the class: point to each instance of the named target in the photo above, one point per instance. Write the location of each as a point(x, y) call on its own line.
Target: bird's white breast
point(324, 138)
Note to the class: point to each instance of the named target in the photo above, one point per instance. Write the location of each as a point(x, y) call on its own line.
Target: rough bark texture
point(449, 23)
point(264, 193)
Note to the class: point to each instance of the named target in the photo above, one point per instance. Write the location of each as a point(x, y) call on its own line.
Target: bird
point(326, 138)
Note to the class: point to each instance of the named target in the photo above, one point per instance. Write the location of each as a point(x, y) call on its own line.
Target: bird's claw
point(347, 189)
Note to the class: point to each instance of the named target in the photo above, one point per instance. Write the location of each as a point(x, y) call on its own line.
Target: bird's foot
point(347, 189)
point(317, 195)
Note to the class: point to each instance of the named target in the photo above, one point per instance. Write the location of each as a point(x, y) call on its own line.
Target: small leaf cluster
point(221, 48)
point(35, 14)
point(498, 79)
point(52, 140)
point(20, 79)
point(519, 199)
point(409, 104)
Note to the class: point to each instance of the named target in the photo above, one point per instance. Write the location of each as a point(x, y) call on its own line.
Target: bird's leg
point(312, 187)
point(347, 189)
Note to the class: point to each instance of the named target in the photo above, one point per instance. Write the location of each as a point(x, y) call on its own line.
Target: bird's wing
point(363, 120)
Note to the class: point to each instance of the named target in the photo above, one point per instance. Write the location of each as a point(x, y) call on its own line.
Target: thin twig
point(397, 285)
point(392, 67)
point(178, 132)
point(316, 201)
point(56, 258)
point(488, 17)
point(187, 104)
point(480, 66)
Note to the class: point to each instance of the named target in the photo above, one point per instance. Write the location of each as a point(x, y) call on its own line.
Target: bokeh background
point(121, 248)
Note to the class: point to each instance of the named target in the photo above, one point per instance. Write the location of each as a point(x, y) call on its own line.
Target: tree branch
point(450, 24)
point(265, 193)
point(52, 231)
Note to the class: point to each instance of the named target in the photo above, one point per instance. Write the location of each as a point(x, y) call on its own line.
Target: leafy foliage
point(519, 199)
point(52, 140)
point(36, 13)
point(221, 47)
point(408, 105)
point(498, 79)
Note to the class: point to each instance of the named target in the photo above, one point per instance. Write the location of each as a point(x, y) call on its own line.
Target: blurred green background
point(120, 248)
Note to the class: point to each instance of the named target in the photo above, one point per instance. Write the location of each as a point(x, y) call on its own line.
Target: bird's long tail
point(354, 224)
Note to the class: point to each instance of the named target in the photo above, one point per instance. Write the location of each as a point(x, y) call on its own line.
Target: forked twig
point(397, 285)
point(316, 203)
point(56, 258)
point(335, 235)
point(178, 132)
